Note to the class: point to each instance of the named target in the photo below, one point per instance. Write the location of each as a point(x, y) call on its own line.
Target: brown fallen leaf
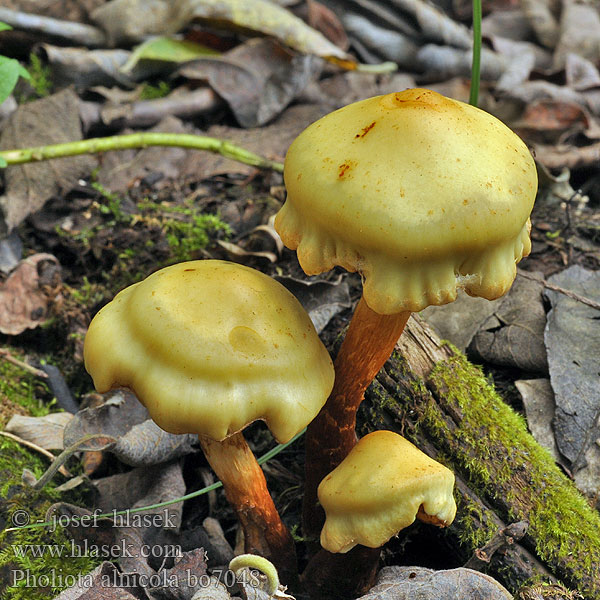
point(323, 19)
point(258, 79)
point(549, 120)
point(46, 431)
point(51, 120)
point(24, 299)
point(95, 586)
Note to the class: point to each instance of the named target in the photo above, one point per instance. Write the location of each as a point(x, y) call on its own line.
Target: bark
point(432, 395)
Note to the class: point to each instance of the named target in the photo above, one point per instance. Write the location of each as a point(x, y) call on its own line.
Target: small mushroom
point(209, 347)
point(381, 487)
point(420, 194)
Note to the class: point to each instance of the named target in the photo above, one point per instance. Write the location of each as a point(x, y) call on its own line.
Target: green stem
point(476, 64)
point(138, 140)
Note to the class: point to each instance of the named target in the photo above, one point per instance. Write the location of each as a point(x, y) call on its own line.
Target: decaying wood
point(501, 478)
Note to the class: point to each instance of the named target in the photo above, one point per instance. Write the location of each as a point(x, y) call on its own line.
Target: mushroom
point(209, 347)
point(381, 487)
point(420, 194)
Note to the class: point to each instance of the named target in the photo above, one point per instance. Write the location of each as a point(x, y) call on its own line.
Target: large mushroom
point(420, 194)
point(209, 347)
point(380, 488)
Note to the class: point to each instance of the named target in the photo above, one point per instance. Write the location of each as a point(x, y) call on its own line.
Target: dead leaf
point(187, 578)
point(120, 169)
point(507, 24)
point(460, 320)
point(571, 157)
point(11, 251)
point(24, 298)
point(271, 141)
point(258, 79)
point(96, 586)
point(46, 431)
point(538, 400)
point(581, 73)
point(572, 338)
point(408, 583)
point(51, 120)
point(445, 62)
point(549, 120)
point(131, 20)
point(86, 68)
point(323, 19)
point(579, 32)
point(374, 41)
point(514, 334)
point(538, 89)
point(541, 16)
point(137, 440)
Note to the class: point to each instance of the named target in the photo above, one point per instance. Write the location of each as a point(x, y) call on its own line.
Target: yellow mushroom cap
point(378, 490)
point(208, 347)
point(419, 193)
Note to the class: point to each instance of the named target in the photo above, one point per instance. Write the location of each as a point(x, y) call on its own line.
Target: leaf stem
point(476, 63)
point(138, 140)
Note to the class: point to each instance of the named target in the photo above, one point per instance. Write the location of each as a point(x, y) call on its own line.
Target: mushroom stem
point(369, 342)
point(246, 490)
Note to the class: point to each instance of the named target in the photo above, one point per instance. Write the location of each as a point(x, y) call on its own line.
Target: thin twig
point(62, 470)
point(561, 290)
point(8, 357)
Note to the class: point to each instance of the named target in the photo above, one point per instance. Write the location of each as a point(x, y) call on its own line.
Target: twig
point(62, 470)
point(505, 537)
point(8, 357)
point(76, 33)
point(139, 140)
point(561, 290)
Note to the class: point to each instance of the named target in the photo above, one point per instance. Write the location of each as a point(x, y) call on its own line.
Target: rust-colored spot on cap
point(365, 130)
point(345, 168)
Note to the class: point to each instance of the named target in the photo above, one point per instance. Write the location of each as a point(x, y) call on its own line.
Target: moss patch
point(31, 557)
point(516, 474)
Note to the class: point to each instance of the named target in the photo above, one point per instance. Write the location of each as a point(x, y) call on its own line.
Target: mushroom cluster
point(418, 193)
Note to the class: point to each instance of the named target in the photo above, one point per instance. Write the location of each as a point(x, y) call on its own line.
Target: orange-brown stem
point(246, 490)
point(369, 342)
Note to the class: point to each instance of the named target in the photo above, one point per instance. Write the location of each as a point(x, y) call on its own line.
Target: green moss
point(31, 557)
point(21, 388)
point(186, 228)
point(36, 564)
point(561, 522)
